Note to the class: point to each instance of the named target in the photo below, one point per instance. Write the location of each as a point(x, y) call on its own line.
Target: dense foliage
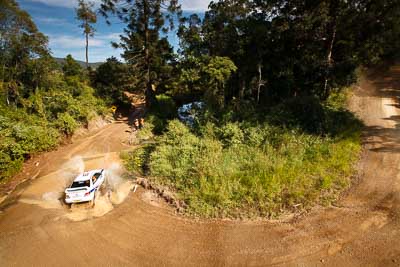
point(275, 134)
point(145, 51)
point(254, 167)
point(39, 101)
point(291, 48)
point(262, 52)
point(111, 79)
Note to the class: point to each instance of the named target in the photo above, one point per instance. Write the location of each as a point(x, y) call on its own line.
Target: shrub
point(9, 166)
point(156, 124)
point(165, 107)
point(306, 113)
point(66, 124)
point(146, 132)
point(231, 134)
point(234, 169)
point(21, 135)
point(137, 161)
point(34, 138)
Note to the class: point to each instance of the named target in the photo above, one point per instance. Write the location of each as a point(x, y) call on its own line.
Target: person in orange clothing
point(141, 125)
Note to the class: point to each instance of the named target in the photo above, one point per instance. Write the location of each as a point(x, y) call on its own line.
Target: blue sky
point(56, 19)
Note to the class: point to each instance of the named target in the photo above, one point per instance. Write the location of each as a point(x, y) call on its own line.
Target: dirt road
point(363, 230)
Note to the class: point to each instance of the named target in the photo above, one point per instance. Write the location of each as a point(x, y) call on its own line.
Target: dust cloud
point(48, 191)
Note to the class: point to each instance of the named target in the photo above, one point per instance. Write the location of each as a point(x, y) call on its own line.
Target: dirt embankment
point(364, 229)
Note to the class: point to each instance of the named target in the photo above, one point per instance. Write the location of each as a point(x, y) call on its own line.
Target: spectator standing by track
point(141, 124)
point(136, 125)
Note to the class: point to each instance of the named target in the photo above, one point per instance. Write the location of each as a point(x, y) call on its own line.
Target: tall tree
point(20, 42)
point(87, 16)
point(111, 79)
point(144, 49)
point(71, 67)
point(300, 47)
point(190, 36)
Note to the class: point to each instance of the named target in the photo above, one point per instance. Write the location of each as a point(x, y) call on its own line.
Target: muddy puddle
point(48, 191)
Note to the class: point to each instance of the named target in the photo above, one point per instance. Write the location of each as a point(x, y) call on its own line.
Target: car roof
point(86, 175)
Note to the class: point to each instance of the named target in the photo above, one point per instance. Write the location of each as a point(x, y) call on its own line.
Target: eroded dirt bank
point(363, 230)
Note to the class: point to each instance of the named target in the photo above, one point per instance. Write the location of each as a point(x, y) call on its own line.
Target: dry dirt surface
point(127, 229)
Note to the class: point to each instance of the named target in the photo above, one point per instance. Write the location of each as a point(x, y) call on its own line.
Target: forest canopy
point(275, 76)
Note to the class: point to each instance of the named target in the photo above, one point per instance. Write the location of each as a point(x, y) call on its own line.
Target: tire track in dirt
point(363, 229)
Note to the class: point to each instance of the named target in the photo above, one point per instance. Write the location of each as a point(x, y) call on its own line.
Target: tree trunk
point(2, 82)
point(222, 96)
point(87, 48)
point(259, 82)
point(242, 86)
point(149, 93)
point(3, 74)
point(329, 61)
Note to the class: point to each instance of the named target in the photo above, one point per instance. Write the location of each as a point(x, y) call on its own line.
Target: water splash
point(113, 176)
point(76, 164)
point(48, 191)
point(71, 169)
point(117, 188)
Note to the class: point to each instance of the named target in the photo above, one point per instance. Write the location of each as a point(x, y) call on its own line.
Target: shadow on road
point(378, 138)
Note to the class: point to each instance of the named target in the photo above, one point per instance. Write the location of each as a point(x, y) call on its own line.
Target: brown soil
point(364, 229)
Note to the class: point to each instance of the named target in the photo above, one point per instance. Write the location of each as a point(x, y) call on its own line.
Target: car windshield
point(80, 184)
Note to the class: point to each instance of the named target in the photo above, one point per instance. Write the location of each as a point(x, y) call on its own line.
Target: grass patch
point(256, 167)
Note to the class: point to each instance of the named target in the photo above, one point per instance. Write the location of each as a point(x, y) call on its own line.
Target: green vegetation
point(37, 122)
point(252, 167)
point(40, 102)
point(149, 54)
point(275, 134)
point(111, 79)
point(22, 134)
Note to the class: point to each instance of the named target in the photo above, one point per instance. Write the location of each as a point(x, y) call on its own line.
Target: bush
point(34, 138)
point(155, 124)
point(165, 107)
point(9, 166)
point(231, 134)
point(306, 113)
point(66, 124)
point(235, 169)
point(36, 124)
point(137, 161)
point(21, 135)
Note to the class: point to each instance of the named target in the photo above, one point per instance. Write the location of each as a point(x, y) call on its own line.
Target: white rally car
point(84, 187)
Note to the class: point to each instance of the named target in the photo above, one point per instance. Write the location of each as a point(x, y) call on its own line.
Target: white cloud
point(192, 5)
point(68, 42)
point(109, 37)
point(101, 54)
point(96, 54)
point(195, 5)
point(62, 3)
point(53, 21)
point(99, 46)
